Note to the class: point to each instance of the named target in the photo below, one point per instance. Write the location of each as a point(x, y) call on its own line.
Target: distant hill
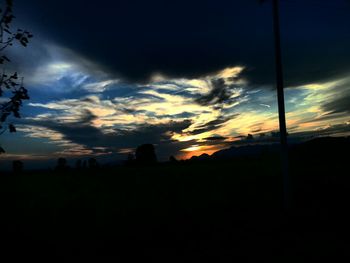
point(323, 149)
point(318, 147)
point(246, 151)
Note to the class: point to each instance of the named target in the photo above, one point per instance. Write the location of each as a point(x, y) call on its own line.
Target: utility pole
point(281, 106)
point(287, 198)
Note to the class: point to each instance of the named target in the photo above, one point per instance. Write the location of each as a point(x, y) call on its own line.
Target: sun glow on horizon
point(197, 150)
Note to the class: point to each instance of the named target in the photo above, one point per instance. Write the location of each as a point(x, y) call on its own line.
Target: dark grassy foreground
point(206, 212)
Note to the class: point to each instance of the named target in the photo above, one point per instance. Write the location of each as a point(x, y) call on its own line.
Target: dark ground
point(201, 212)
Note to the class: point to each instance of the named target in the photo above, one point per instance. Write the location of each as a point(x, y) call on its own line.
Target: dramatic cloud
point(86, 139)
point(188, 39)
point(167, 113)
point(340, 102)
point(191, 78)
point(212, 125)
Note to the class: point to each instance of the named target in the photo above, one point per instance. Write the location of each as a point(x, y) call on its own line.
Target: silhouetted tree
point(131, 159)
point(12, 92)
point(172, 159)
point(262, 135)
point(93, 164)
point(145, 154)
point(78, 165)
point(17, 167)
point(250, 137)
point(62, 165)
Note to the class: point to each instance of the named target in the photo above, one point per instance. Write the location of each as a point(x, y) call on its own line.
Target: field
point(204, 211)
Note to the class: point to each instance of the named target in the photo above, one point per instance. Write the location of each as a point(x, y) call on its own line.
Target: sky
point(190, 77)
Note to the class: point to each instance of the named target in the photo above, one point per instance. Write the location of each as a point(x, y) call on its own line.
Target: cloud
point(48, 66)
point(208, 37)
point(340, 129)
point(212, 125)
point(154, 103)
point(79, 105)
point(100, 86)
point(168, 107)
point(225, 112)
point(225, 88)
point(83, 138)
point(215, 138)
point(340, 101)
point(219, 94)
point(339, 105)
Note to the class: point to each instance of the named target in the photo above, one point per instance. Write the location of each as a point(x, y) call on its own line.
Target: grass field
point(207, 212)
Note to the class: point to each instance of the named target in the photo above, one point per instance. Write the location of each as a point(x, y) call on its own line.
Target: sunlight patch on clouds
point(170, 104)
point(250, 123)
point(192, 148)
point(230, 75)
point(322, 86)
point(41, 133)
point(158, 77)
point(53, 72)
point(185, 137)
point(69, 148)
point(24, 157)
point(308, 112)
point(101, 86)
point(194, 86)
point(63, 71)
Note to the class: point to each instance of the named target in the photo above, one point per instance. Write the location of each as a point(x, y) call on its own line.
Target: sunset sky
point(191, 77)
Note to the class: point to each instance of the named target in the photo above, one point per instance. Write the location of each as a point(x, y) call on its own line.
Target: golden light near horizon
point(192, 148)
point(197, 150)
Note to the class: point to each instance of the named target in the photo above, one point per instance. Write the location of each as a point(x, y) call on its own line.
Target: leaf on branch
point(18, 36)
point(4, 116)
point(16, 114)
point(10, 81)
point(3, 59)
point(2, 150)
point(12, 128)
point(14, 76)
point(9, 2)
